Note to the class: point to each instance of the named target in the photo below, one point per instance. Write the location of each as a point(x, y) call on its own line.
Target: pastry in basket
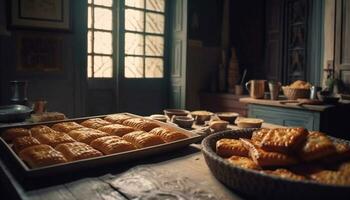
point(345, 167)
point(141, 124)
point(316, 146)
point(231, 147)
point(40, 129)
point(112, 144)
point(41, 155)
point(21, 143)
point(342, 152)
point(331, 177)
point(283, 139)
point(54, 139)
point(117, 118)
point(243, 162)
point(284, 173)
point(167, 135)
point(86, 135)
point(10, 134)
point(265, 158)
point(66, 126)
point(77, 151)
point(258, 135)
point(95, 123)
point(143, 139)
point(116, 129)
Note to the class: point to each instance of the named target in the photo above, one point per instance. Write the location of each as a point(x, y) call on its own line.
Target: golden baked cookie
point(66, 126)
point(95, 123)
point(112, 144)
point(284, 173)
point(116, 129)
point(141, 124)
point(167, 135)
point(331, 177)
point(264, 158)
point(143, 139)
point(231, 147)
point(86, 135)
point(21, 143)
point(316, 146)
point(41, 155)
point(117, 118)
point(41, 129)
point(54, 139)
point(10, 134)
point(77, 151)
point(243, 162)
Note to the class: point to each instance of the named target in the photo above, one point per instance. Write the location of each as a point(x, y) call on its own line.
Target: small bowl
point(219, 125)
point(201, 116)
point(249, 122)
point(159, 117)
point(183, 121)
point(175, 112)
point(228, 116)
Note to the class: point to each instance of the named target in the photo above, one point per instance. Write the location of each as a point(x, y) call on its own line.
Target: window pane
point(103, 18)
point(135, 3)
point(156, 5)
point(103, 42)
point(89, 69)
point(89, 42)
point(133, 67)
point(134, 20)
point(154, 68)
point(154, 45)
point(89, 17)
point(103, 66)
point(134, 44)
point(103, 2)
point(154, 23)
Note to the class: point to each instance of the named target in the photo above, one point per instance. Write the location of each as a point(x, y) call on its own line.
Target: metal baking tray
point(20, 167)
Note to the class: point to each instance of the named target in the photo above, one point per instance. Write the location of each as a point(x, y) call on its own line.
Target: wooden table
point(182, 172)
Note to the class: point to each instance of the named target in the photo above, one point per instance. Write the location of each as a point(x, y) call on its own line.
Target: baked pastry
point(10, 134)
point(231, 147)
point(41, 129)
point(345, 167)
point(47, 116)
point(141, 124)
point(54, 139)
point(86, 135)
point(331, 177)
point(258, 135)
point(66, 126)
point(112, 144)
point(283, 173)
point(316, 146)
point(21, 143)
point(77, 151)
point(117, 118)
point(167, 135)
point(41, 155)
point(143, 139)
point(243, 162)
point(95, 123)
point(283, 139)
point(342, 152)
point(116, 129)
point(264, 158)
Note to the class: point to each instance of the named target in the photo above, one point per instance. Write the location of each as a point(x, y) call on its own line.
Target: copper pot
point(256, 88)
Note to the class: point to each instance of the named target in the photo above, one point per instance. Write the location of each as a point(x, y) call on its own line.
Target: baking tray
point(20, 167)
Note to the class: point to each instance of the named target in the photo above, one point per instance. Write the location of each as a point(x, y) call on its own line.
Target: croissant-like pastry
point(41, 129)
point(95, 123)
point(77, 151)
point(143, 139)
point(112, 144)
point(167, 135)
point(54, 139)
point(116, 129)
point(117, 118)
point(65, 127)
point(141, 124)
point(86, 135)
point(21, 143)
point(10, 134)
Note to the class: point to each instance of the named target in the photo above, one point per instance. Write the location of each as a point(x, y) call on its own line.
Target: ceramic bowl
point(201, 116)
point(159, 117)
point(249, 122)
point(219, 125)
point(175, 112)
point(183, 121)
point(228, 116)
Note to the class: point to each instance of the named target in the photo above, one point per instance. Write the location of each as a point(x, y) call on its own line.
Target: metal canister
point(313, 92)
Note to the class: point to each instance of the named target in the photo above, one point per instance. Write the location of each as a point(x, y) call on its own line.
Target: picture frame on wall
point(41, 14)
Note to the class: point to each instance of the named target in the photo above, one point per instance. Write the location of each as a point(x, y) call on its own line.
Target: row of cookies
point(294, 149)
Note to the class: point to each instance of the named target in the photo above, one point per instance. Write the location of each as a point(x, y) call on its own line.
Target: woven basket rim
point(289, 88)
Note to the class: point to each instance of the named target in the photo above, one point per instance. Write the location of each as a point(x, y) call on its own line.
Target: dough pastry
point(10, 134)
point(283, 173)
point(258, 135)
point(86, 135)
point(112, 144)
point(21, 143)
point(41, 155)
point(40, 129)
point(116, 129)
point(243, 162)
point(141, 124)
point(66, 126)
point(231, 147)
point(342, 152)
point(95, 123)
point(167, 135)
point(54, 139)
point(117, 118)
point(264, 158)
point(331, 177)
point(345, 167)
point(316, 146)
point(143, 139)
point(77, 151)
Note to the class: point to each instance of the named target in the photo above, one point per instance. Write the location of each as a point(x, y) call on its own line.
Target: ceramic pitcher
point(256, 88)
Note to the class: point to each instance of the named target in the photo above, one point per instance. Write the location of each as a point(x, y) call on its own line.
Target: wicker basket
point(294, 93)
